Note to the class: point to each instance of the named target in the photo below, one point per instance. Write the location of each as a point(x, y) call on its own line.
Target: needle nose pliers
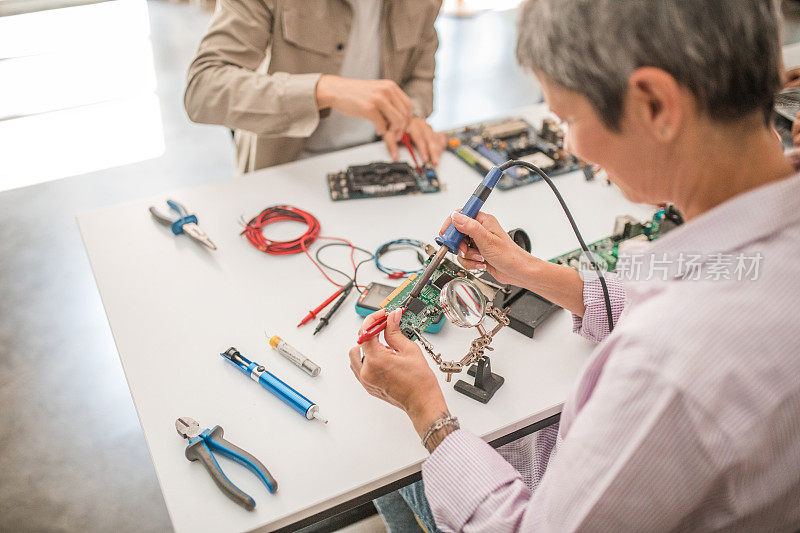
point(203, 441)
point(182, 222)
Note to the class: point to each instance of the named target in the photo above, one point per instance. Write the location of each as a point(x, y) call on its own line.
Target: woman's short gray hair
point(726, 52)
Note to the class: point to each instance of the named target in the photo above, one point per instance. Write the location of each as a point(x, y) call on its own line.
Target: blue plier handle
point(202, 444)
point(182, 222)
point(175, 223)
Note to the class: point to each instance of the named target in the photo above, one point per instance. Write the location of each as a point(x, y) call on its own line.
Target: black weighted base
point(486, 383)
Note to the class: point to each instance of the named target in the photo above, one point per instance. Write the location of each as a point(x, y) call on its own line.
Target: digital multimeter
point(370, 301)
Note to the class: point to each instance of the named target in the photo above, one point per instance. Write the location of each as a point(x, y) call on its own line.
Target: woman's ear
point(656, 101)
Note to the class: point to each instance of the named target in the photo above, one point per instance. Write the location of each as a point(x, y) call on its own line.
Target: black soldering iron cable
point(546, 178)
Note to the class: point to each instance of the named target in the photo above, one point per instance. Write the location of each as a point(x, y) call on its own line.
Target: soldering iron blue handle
point(452, 237)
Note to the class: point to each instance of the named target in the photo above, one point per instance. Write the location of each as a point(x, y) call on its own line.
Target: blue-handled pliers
point(182, 222)
point(202, 442)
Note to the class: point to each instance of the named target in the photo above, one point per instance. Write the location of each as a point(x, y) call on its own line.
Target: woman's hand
point(491, 249)
point(398, 373)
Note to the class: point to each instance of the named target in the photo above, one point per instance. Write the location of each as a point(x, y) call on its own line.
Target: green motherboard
point(625, 229)
point(424, 310)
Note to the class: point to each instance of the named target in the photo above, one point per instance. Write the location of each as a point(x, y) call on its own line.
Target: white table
point(174, 306)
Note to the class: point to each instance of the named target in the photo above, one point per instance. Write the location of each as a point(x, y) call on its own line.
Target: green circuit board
point(425, 310)
point(626, 228)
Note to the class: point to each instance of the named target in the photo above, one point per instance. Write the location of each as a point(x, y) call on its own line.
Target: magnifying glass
point(462, 303)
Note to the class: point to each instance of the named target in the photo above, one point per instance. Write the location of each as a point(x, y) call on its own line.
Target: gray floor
point(73, 456)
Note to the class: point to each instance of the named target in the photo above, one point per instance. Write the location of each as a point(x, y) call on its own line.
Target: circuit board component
point(423, 310)
point(487, 144)
point(426, 309)
point(606, 251)
point(381, 179)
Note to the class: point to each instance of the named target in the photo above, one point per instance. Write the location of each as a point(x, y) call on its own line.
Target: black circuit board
point(379, 179)
point(489, 144)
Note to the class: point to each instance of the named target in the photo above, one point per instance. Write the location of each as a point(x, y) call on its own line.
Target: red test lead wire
point(313, 313)
point(287, 213)
point(281, 213)
point(253, 232)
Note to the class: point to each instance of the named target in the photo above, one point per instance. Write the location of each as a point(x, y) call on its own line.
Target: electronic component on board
point(443, 278)
point(606, 251)
point(487, 144)
point(375, 293)
point(415, 305)
point(380, 179)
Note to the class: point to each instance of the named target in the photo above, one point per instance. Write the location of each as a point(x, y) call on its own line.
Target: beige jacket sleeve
point(419, 86)
point(224, 86)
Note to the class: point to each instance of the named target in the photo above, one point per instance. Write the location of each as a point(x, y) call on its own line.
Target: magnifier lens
point(462, 303)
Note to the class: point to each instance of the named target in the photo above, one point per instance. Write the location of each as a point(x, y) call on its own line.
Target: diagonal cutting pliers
point(182, 222)
point(203, 441)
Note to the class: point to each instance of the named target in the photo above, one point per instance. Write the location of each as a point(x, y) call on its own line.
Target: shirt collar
point(733, 224)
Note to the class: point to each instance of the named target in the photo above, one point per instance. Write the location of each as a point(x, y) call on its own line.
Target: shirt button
point(340, 46)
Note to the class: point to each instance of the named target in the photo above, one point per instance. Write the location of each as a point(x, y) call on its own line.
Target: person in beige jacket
point(294, 78)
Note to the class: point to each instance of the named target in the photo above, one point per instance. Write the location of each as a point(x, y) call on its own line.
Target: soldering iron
point(451, 238)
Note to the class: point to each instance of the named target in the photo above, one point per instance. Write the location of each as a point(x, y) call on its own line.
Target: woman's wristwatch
point(438, 431)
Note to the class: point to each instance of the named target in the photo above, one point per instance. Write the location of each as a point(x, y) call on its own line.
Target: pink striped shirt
point(687, 416)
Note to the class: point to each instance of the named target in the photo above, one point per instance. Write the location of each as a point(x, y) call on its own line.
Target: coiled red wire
point(281, 213)
point(287, 213)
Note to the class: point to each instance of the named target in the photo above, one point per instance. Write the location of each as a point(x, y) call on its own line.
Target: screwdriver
point(451, 238)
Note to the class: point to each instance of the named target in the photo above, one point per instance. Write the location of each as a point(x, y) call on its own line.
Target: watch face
point(463, 304)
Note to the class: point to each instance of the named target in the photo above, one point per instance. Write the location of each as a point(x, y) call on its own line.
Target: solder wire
point(546, 178)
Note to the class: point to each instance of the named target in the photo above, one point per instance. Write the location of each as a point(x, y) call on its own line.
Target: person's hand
point(428, 143)
point(398, 373)
point(491, 248)
point(382, 102)
point(796, 130)
point(791, 78)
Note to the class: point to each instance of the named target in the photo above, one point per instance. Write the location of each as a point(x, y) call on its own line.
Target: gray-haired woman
point(687, 415)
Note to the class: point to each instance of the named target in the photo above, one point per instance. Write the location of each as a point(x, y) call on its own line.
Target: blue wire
point(383, 248)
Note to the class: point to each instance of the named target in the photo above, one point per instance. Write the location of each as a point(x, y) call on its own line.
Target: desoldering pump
point(269, 381)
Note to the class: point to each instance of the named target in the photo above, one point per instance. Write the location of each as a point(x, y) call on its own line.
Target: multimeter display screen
point(374, 295)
